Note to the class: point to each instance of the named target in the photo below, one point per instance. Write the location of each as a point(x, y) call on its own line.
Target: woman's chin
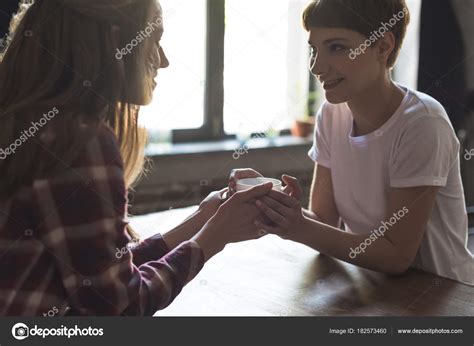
point(147, 101)
point(147, 98)
point(335, 99)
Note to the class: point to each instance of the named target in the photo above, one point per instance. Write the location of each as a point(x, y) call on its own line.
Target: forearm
point(186, 230)
point(313, 216)
point(380, 255)
point(159, 245)
point(210, 242)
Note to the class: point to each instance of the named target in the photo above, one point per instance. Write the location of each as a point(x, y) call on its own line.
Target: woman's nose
point(318, 66)
point(164, 63)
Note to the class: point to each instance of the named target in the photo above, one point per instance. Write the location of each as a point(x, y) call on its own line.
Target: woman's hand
point(284, 212)
point(292, 187)
point(241, 173)
point(233, 222)
point(193, 224)
point(212, 202)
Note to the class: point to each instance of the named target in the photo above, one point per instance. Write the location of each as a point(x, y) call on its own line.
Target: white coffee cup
point(245, 184)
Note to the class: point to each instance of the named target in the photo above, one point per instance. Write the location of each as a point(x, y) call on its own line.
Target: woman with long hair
point(70, 149)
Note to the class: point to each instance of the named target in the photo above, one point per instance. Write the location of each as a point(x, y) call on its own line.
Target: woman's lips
point(331, 84)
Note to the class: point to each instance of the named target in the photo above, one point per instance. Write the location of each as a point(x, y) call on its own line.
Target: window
point(406, 69)
point(237, 67)
point(179, 99)
point(265, 67)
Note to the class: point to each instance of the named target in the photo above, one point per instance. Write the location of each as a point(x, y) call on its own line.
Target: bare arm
point(390, 252)
point(186, 230)
point(192, 225)
point(322, 206)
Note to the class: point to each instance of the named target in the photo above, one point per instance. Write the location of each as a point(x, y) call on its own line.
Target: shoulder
point(425, 132)
point(327, 109)
point(329, 113)
point(82, 149)
point(426, 118)
point(94, 168)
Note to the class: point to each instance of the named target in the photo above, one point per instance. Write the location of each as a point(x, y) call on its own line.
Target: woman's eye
point(337, 48)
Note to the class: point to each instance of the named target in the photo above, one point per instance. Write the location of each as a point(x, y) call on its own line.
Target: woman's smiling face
point(342, 77)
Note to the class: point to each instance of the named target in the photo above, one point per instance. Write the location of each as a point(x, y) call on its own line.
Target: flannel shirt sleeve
point(149, 249)
point(83, 213)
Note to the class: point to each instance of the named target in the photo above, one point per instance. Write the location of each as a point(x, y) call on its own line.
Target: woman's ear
point(385, 46)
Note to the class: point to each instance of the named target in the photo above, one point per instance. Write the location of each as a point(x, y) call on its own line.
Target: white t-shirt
point(417, 146)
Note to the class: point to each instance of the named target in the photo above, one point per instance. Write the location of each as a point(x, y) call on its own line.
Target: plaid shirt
point(63, 245)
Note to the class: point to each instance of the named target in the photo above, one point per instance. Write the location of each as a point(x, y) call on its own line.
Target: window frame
point(213, 125)
point(213, 122)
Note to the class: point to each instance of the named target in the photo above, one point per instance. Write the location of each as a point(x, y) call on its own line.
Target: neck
point(374, 106)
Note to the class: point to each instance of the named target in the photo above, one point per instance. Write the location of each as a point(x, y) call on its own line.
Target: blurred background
point(238, 92)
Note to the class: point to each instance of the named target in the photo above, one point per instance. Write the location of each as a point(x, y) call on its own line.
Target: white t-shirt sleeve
point(425, 153)
point(320, 152)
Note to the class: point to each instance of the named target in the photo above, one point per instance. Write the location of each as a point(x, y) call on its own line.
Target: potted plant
point(304, 126)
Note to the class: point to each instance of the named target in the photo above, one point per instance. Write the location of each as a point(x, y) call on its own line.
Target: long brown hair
point(61, 56)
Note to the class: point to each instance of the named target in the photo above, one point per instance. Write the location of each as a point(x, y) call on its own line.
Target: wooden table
point(274, 277)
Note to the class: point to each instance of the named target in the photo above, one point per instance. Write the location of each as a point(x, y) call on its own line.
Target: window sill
point(224, 146)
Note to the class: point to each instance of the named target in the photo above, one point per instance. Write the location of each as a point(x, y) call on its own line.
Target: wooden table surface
point(275, 277)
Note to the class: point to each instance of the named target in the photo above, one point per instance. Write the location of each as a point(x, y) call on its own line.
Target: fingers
point(232, 186)
point(290, 181)
point(222, 192)
point(274, 216)
point(275, 205)
point(292, 184)
point(237, 174)
point(243, 173)
point(263, 219)
point(265, 228)
point(287, 190)
point(255, 192)
point(283, 198)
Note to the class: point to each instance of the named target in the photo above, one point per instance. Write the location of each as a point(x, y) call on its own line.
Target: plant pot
point(303, 128)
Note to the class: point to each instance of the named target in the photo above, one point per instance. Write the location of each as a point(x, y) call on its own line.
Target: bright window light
point(266, 65)
point(179, 97)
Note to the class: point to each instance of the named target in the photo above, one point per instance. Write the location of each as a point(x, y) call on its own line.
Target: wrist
point(209, 241)
point(302, 230)
point(205, 212)
point(201, 217)
point(185, 231)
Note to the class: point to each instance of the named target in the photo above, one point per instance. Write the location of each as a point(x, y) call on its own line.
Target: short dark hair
point(362, 16)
